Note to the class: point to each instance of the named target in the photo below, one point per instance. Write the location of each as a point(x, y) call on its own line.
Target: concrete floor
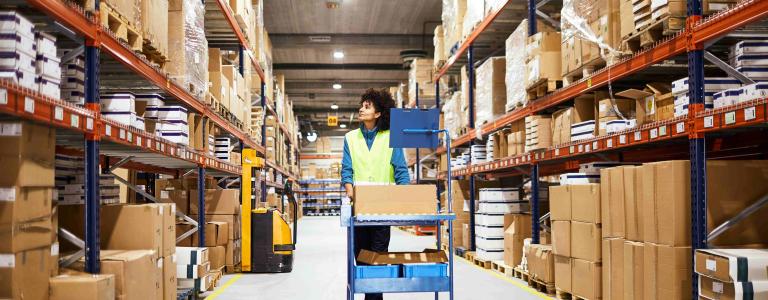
point(319, 271)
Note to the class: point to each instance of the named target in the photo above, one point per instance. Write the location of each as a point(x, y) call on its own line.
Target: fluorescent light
point(334, 106)
point(338, 54)
point(337, 86)
point(343, 125)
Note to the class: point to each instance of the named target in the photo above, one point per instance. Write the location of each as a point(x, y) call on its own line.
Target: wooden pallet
point(542, 87)
point(541, 286)
point(120, 27)
point(563, 295)
point(485, 264)
point(469, 255)
point(654, 32)
point(585, 70)
point(502, 268)
point(233, 269)
point(520, 274)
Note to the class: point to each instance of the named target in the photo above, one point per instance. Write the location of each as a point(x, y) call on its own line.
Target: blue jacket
point(398, 160)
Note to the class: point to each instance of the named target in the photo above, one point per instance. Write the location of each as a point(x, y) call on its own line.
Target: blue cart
point(411, 128)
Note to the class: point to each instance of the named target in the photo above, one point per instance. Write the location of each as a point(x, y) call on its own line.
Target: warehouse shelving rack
point(640, 144)
point(329, 186)
point(82, 130)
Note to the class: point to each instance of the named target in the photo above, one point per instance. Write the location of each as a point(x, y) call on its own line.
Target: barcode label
point(29, 105)
point(662, 130)
point(730, 117)
point(622, 139)
point(709, 122)
point(609, 143)
point(654, 133)
point(108, 130)
point(638, 136)
point(74, 121)
point(749, 113)
point(3, 96)
point(680, 127)
point(58, 113)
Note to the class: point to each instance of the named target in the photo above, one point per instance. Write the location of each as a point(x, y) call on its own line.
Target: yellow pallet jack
point(267, 243)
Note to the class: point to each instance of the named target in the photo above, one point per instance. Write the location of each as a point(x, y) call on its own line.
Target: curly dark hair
point(382, 101)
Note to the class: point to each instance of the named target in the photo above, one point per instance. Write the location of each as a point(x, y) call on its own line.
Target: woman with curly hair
point(368, 159)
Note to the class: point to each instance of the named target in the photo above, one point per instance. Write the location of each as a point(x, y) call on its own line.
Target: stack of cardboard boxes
point(538, 132)
point(187, 42)
point(192, 268)
point(576, 231)
point(542, 58)
point(602, 17)
point(420, 74)
point(221, 206)
point(491, 94)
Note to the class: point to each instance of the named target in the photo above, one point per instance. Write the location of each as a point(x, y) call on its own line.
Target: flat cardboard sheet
point(730, 265)
point(397, 258)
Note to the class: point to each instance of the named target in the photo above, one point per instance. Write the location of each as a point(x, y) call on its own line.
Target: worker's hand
point(350, 190)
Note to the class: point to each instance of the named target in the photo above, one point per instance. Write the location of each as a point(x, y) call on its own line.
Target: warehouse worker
point(368, 159)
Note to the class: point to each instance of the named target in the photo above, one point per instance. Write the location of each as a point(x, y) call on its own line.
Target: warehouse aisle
point(319, 272)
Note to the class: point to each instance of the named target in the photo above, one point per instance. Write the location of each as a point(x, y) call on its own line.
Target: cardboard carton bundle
point(538, 132)
point(222, 209)
point(187, 42)
point(193, 268)
point(580, 53)
point(732, 273)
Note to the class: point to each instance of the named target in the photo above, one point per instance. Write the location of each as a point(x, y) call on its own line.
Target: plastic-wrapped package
point(421, 73)
point(474, 14)
point(595, 23)
point(490, 97)
point(439, 42)
point(492, 6)
point(516, 67)
point(186, 40)
point(453, 23)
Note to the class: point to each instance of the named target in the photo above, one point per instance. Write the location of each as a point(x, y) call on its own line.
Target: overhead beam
point(296, 85)
point(376, 67)
point(335, 41)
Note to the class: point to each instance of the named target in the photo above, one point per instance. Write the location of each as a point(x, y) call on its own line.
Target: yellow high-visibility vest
point(370, 166)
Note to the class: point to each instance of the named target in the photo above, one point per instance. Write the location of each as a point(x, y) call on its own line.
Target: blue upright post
point(418, 156)
point(471, 75)
point(92, 197)
point(697, 144)
point(264, 136)
point(535, 167)
point(535, 203)
point(201, 206)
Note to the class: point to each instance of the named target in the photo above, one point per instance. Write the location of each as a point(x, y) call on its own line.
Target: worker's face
point(367, 112)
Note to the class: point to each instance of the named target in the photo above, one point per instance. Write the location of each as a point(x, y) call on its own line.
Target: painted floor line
point(218, 291)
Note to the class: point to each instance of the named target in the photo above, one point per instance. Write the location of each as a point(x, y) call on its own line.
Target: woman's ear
point(378, 115)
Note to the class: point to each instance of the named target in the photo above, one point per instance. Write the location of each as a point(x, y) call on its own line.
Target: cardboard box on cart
point(395, 199)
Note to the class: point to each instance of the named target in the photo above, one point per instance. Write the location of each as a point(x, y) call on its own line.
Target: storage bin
point(425, 270)
point(388, 271)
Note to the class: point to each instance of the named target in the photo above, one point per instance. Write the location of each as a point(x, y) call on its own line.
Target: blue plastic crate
point(388, 271)
point(425, 270)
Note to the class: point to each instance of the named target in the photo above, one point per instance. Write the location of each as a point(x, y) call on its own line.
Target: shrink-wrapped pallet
point(186, 40)
point(516, 68)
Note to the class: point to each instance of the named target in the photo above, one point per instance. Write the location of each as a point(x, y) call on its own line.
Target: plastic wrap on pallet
point(490, 97)
point(438, 42)
point(421, 73)
point(453, 24)
point(474, 14)
point(516, 68)
point(195, 46)
point(574, 22)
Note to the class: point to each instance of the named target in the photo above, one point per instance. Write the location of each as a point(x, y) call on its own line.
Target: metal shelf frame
point(83, 131)
point(692, 41)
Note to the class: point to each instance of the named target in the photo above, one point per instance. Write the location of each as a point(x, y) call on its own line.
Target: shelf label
point(138, 140)
point(74, 121)
point(122, 134)
point(588, 148)
point(89, 124)
point(108, 130)
point(638, 136)
point(537, 156)
point(58, 113)
point(749, 113)
point(130, 136)
point(29, 105)
point(572, 149)
point(557, 151)
point(3, 96)
point(609, 143)
point(654, 133)
point(581, 147)
point(709, 122)
point(622, 139)
point(594, 145)
point(663, 130)
point(730, 117)
point(680, 127)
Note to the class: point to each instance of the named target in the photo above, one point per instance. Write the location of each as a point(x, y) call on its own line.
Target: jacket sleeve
point(346, 166)
point(402, 175)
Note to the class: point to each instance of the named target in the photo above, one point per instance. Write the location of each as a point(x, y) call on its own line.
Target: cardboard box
point(613, 268)
point(518, 230)
point(27, 278)
point(395, 199)
point(587, 281)
point(633, 203)
point(561, 238)
point(559, 203)
point(563, 276)
point(27, 155)
point(714, 289)
point(585, 241)
point(730, 265)
point(390, 258)
point(25, 223)
point(119, 230)
point(585, 202)
point(192, 271)
point(180, 198)
point(191, 255)
point(612, 202)
point(465, 236)
point(86, 287)
point(731, 187)
point(667, 200)
point(169, 279)
point(233, 252)
point(668, 272)
point(135, 272)
point(541, 263)
point(217, 202)
point(216, 234)
point(633, 270)
point(217, 256)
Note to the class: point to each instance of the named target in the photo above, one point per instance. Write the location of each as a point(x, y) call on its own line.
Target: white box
point(17, 60)
point(755, 91)
point(754, 72)
point(118, 102)
point(13, 22)
point(583, 127)
point(620, 125)
point(191, 271)
point(22, 78)
point(489, 231)
point(138, 123)
point(489, 219)
point(749, 47)
point(489, 242)
point(499, 194)
point(504, 207)
point(123, 117)
point(749, 60)
point(579, 178)
point(595, 167)
point(48, 87)
point(73, 71)
point(152, 100)
point(45, 44)
point(177, 137)
point(711, 84)
point(191, 255)
point(490, 254)
point(169, 113)
point(73, 95)
point(582, 136)
point(73, 83)
point(48, 66)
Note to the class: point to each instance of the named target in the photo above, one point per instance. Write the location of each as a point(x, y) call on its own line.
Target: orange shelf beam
point(226, 10)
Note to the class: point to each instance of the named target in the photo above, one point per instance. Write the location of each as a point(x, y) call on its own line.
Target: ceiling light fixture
point(338, 54)
point(343, 125)
point(334, 106)
point(337, 86)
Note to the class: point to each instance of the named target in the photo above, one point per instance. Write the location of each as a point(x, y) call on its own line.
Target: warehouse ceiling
point(370, 33)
